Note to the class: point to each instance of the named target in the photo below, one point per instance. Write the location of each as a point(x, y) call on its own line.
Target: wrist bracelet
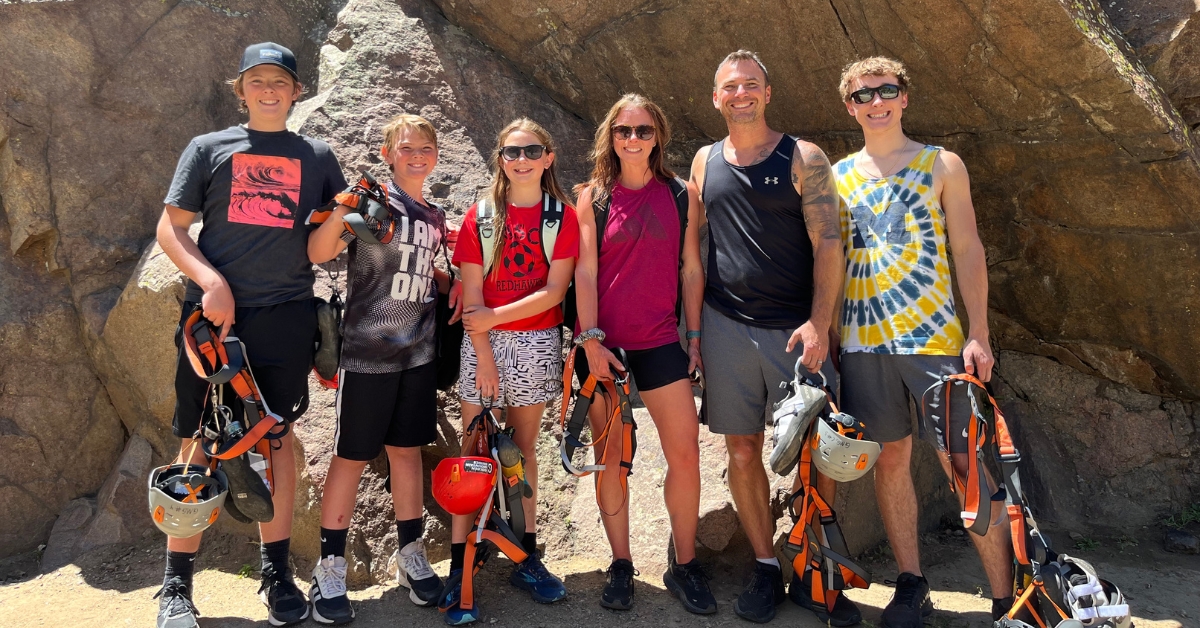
point(594, 333)
point(692, 334)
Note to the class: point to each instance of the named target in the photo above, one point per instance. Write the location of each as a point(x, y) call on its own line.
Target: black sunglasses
point(624, 131)
point(512, 153)
point(867, 94)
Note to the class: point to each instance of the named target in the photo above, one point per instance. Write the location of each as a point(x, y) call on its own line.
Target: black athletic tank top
point(760, 259)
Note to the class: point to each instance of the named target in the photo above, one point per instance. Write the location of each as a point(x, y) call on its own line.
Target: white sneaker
point(414, 573)
point(330, 603)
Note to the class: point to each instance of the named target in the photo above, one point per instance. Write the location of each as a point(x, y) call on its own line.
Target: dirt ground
point(113, 587)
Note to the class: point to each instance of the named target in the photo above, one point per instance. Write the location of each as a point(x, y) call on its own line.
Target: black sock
point(458, 552)
point(333, 542)
point(529, 542)
point(181, 564)
point(275, 554)
point(409, 530)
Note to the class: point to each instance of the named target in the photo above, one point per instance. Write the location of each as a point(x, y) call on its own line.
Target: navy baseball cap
point(272, 53)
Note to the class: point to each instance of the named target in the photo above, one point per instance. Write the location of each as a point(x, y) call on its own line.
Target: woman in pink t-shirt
point(627, 286)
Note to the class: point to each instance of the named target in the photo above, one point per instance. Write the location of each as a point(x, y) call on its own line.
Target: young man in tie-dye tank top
point(906, 204)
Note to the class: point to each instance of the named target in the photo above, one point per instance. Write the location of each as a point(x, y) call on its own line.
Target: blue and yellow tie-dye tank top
point(898, 295)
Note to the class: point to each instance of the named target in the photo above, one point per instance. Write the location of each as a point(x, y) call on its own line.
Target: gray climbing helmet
point(791, 419)
point(185, 499)
point(841, 449)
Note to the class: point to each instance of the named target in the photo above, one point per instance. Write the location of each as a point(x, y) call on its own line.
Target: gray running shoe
point(175, 608)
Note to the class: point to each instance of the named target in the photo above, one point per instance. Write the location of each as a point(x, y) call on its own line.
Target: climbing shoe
point(414, 573)
point(175, 608)
point(448, 603)
point(845, 612)
point(249, 493)
point(330, 604)
point(285, 603)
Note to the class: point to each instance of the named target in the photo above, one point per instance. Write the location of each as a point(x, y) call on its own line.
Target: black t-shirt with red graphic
point(254, 190)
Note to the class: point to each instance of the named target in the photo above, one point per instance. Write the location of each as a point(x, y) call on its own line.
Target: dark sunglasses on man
point(865, 95)
point(513, 153)
point(624, 131)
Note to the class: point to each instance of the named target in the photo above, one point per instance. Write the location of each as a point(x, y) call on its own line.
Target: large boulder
point(1086, 183)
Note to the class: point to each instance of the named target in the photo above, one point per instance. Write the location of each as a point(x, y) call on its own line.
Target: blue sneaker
point(531, 575)
point(448, 603)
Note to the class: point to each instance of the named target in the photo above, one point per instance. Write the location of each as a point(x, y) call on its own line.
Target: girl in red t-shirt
point(511, 354)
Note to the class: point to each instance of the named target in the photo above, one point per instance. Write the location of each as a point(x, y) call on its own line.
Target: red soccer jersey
point(522, 269)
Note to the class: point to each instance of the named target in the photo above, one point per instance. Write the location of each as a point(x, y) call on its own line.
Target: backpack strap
point(680, 193)
point(552, 217)
point(484, 213)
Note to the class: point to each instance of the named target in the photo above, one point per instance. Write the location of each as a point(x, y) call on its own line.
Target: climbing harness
point(371, 221)
point(824, 559)
point(243, 440)
point(501, 518)
point(617, 408)
point(792, 416)
point(1045, 582)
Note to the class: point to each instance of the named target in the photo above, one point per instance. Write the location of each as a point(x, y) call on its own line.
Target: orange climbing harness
point(824, 556)
point(618, 407)
point(223, 436)
point(483, 437)
point(371, 219)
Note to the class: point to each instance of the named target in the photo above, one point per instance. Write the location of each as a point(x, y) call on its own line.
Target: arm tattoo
point(819, 197)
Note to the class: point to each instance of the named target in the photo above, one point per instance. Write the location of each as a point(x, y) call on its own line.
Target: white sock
point(774, 562)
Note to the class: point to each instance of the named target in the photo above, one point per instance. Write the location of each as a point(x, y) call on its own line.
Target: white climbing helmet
point(186, 498)
point(840, 448)
point(1094, 602)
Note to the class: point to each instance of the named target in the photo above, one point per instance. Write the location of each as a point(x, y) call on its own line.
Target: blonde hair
point(391, 132)
point(236, 84)
point(872, 66)
point(498, 192)
point(607, 166)
point(742, 55)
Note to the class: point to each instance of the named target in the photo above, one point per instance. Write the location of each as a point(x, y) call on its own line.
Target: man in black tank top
point(775, 273)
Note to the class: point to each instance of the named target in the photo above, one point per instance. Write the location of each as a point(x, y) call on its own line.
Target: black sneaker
point(330, 604)
point(1000, 607)
point(285, 602)
point(765, 591)
point(845, 613)
point(247, 489)
point(618, 592)
point(414, 573)
point(175, 609)
point(910, 603)
point(689, 583)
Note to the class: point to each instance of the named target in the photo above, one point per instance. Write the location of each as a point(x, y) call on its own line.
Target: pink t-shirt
point(637, 279)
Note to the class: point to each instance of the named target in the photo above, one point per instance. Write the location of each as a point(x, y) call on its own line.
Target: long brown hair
point(498, 192)
point(607, 166)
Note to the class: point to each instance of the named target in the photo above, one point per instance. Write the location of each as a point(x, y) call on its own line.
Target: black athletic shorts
point(394, 409)
point(651, 368)
point(279, 341)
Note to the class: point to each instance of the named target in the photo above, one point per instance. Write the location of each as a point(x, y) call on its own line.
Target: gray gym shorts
point(743, 368)
point(876, 389)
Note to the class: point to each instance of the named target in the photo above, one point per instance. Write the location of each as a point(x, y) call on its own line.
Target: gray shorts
point(744, 367)
point(876, 389)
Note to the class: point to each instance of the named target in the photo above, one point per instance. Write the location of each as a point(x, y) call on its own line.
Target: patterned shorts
point(529, 363)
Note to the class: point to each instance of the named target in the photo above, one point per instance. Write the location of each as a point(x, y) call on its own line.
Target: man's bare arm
point(970, 262)
point(813, 177)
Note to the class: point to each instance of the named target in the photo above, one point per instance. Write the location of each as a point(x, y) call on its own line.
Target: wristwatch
point(593, 333)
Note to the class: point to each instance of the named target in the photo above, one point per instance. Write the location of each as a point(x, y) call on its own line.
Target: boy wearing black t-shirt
point(249, 274)
point(387, 392)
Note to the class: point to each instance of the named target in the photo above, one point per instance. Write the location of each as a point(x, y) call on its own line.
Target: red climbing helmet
point(462, 485)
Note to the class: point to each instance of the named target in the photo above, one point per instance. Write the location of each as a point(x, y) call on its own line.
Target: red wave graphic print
point(265, 190)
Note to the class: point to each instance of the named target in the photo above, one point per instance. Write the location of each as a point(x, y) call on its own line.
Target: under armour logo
point(772, 180)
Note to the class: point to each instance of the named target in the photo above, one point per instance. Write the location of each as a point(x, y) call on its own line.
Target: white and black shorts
point(529, 364)
point(376, 409)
